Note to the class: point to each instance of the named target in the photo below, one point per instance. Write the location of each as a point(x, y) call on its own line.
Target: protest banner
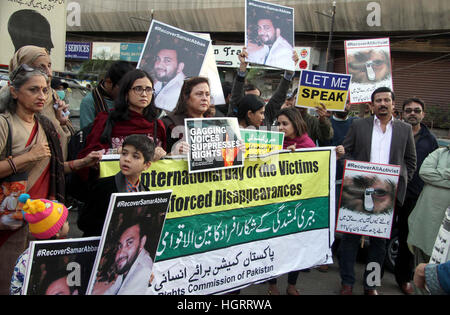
point(369, 63)
point(60, 267)
point(230, 228)
point(261, 142)
point(39, 23)
point(170, 55)
point(368, 193)
point(128, 243)
point(269, 34)
point(330, 89)
point(214, 143)
point(441, 249)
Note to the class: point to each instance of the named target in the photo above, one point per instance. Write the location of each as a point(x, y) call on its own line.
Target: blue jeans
point(347, 252)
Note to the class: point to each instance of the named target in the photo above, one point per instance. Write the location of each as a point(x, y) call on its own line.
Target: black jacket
point(425, 144)
point(91, 216)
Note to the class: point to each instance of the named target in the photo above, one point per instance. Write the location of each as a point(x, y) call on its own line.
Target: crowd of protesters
point(33, 117)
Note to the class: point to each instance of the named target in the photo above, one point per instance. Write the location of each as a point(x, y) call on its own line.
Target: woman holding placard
point(289, 121)
point(194, 101)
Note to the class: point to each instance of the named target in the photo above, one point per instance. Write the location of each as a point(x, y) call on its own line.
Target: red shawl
point(136, 124)
point(304, 141)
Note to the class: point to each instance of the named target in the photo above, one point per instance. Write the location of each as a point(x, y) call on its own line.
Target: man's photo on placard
point(60, 267)
point(170, 55)
point(270, 34)
point(129, 241)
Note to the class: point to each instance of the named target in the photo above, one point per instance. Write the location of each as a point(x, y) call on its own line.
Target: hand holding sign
point(327, 89)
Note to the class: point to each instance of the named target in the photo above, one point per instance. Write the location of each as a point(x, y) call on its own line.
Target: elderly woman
point(34, 149)
point(54, 108)
point(193, 102)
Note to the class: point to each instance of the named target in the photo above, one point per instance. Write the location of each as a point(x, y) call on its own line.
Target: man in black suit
point(378, 139)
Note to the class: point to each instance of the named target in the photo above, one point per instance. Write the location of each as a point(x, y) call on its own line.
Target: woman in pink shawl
point(290, 121)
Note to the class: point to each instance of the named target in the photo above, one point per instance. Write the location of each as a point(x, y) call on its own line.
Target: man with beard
point(133, 263)
point(413, 114)
point(168, 73)
point(380, 139)
point(276, 50)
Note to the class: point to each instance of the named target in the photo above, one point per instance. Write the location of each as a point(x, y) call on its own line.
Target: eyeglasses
point(140, 90)
point(22, 68)
point(415, 110)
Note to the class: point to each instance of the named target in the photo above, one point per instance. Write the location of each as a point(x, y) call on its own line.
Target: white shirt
point(381, 142)
point(167, 96)
point(137, 279)
point(278, 56)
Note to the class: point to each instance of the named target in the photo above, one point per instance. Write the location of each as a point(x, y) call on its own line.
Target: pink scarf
point(303, 141)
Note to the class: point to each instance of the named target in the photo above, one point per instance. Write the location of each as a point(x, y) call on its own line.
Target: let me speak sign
point(317, 87)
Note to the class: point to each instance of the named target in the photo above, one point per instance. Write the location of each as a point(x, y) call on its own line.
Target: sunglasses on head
point(22, 68)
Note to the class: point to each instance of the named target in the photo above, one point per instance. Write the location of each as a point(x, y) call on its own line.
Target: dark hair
point(251, 87)
point(121, 107)
point(141, 143)
point(117, 70)
point(186, 89)
point(249, 102)
point(382, 89)
point(170, 45)
point(52, 276)
point(130, 218)
point(295, 117)
point(413, 100)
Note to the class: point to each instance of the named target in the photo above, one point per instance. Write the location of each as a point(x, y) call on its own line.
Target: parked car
point(75, 93)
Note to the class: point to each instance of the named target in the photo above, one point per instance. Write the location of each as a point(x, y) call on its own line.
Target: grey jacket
point(358, 143)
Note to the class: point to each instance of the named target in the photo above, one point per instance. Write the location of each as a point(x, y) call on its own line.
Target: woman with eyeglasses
point(134, 113)
point(193, 102)
point(29, 146)
point(54, 108)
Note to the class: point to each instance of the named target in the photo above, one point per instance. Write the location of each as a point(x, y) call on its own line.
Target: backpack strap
point(8, 146)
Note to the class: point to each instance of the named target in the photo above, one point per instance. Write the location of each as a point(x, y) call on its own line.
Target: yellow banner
point(312, 97)
point(303, 174)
